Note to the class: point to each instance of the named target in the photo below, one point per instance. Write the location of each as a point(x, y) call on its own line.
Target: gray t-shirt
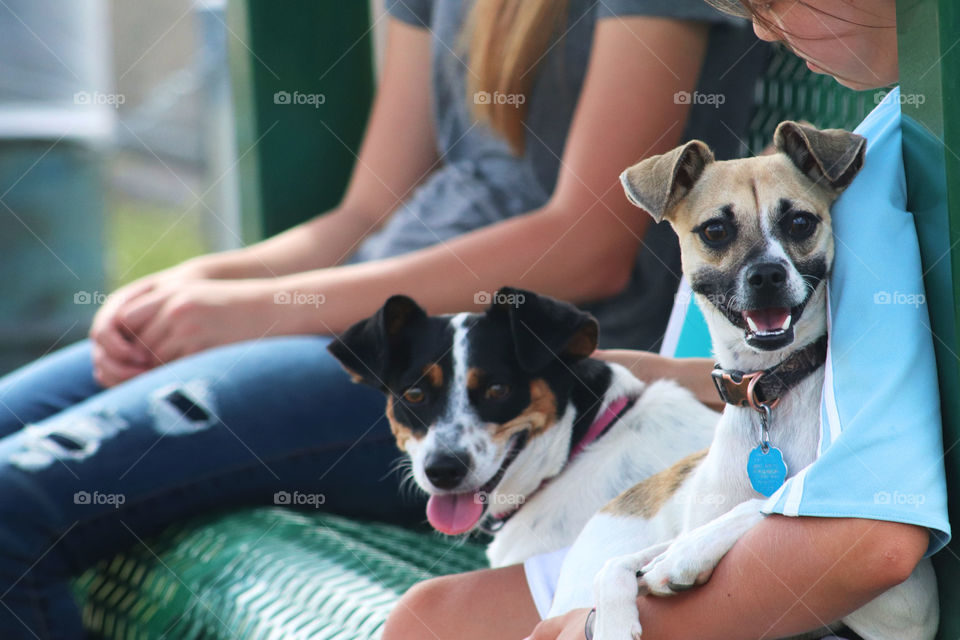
point(482, 182)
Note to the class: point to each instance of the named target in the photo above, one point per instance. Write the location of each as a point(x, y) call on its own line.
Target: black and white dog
point(509, 425)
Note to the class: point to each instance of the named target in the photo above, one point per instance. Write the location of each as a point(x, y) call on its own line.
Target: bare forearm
point(692, 373)
point(323, 242)
point(532, 251)
point(760, 590)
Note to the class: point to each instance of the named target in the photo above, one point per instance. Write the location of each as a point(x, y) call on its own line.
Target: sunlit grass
point(143, 238)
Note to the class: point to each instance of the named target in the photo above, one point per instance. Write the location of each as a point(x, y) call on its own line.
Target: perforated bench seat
point(265, 573)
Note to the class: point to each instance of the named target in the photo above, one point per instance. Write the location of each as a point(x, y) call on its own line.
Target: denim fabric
point(85, 472)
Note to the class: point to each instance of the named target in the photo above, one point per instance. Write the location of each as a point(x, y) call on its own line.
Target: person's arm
point(399, 150)
point(582, 244)
point(400, 124)
point(692, 373)
point(761, 590)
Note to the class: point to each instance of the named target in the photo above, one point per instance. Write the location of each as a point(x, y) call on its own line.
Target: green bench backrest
point(930, 75)
point(302, 74)
point(790, 91)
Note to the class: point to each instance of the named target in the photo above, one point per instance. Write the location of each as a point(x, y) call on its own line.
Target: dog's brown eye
point(800, 226)
point(414, 395)
point(497, 392)
point(715, 232)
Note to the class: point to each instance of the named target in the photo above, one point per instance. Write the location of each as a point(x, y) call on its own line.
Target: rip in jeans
point(180, 409)
point(76, 439)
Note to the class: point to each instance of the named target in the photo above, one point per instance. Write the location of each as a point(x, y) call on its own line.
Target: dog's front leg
point(694, 555)
point(616, 589)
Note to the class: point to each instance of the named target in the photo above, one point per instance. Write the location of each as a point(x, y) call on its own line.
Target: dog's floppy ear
point(829, 157)
point(365, 349)
point(545, 329)
point(658, 183)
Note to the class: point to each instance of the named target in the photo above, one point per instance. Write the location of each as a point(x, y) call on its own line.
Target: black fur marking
point(594, 378)
point(367, 347)
point(718, 288)
point(490, 351)
point(544, 330)
point(425, 343)
point(508, 347)
point(812, 270)
point(783, 206)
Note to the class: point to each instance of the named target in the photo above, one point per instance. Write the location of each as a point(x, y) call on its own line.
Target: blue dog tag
point(767, 471)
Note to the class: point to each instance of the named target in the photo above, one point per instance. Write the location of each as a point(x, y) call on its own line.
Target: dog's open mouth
point(770, 328)
point(456, 513)
point(764, 323)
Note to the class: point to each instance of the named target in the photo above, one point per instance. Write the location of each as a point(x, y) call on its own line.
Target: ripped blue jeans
point(86, 472)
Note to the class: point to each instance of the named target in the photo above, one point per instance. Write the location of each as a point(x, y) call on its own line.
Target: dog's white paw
point(617, 624)
point(616, 588)
point(694, 555)
point(681, 567)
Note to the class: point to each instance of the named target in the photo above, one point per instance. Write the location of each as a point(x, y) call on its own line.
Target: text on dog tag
point(767, 470)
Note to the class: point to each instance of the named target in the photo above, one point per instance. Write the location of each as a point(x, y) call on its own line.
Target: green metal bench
point(265, 573)
point(272, 573)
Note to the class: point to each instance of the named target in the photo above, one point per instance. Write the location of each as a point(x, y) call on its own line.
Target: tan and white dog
point(756, 245)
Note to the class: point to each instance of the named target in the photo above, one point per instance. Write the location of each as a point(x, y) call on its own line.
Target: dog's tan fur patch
point(752, 187)
point(354, 376)
point(645, 499)
point(434, 374)
point(539, 415)
point(473, 378)
point(400, 431)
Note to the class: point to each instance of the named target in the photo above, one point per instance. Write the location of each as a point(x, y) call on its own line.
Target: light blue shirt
point(881, 447)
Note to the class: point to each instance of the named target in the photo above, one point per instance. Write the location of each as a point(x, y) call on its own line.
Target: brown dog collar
point(756, 388)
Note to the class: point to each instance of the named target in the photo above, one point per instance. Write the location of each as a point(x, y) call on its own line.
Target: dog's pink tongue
point(768, 319)
point(454, 513)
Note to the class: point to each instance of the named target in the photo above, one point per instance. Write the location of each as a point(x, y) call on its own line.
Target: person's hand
point(569, 626)
point(178, 318)
point(117, 355)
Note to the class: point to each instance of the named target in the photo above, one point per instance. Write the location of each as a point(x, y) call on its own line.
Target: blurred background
point(118, 148)
point(112, 163)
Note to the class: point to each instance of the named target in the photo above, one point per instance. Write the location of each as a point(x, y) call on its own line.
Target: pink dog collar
point(599, 426)
point(491, 524)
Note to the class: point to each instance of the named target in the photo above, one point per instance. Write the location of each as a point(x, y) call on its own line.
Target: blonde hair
point(505, 41)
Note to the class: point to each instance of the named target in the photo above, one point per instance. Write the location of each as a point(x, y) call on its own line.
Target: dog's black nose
point(447, 470)
point(766, 276)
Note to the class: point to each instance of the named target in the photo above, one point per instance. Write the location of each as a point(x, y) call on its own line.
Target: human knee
point(418, 610)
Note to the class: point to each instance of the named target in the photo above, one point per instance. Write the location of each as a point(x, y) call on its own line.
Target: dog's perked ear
point(658, 183)
point(829, 157)
point(545, 330)
point(365, 349)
